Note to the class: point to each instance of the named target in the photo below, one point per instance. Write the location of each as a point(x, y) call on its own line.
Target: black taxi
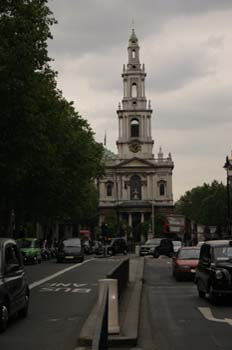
point(214, 271)
point(14, 289)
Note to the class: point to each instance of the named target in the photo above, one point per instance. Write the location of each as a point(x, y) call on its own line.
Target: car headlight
point(218, 274)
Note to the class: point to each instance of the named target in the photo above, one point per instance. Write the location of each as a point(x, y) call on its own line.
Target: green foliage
point(48, 155)
point(204, 204)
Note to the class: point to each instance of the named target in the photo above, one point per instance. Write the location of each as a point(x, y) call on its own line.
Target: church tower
point(134, 116)
point(137, 185)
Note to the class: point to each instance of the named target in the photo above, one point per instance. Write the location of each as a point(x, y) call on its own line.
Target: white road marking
point(61, 272)
point(207, 313)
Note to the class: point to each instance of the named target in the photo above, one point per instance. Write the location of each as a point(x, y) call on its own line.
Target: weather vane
point(133, 23)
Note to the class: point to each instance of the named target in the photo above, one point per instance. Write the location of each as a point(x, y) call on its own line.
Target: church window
point(162, 188)
point(134, 128)
point(134, 91)
point(109, 188)
point(135, 187)
point(133, 53)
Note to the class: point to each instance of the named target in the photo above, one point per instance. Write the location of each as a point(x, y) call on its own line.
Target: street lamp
point(228, 167)
point(153, 218)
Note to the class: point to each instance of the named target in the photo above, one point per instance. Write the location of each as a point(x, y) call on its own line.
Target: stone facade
point(136, 184)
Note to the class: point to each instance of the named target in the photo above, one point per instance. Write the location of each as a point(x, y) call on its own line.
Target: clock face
point(135, 147)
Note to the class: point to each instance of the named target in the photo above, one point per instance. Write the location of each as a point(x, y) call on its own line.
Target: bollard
point(137, 249)
point(113, 314)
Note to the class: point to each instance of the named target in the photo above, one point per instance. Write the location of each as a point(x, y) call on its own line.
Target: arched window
point(135, 187)
point(133, 53)
point(134, 91)
point(162, 188)
point(109, 189)
point(134, 128)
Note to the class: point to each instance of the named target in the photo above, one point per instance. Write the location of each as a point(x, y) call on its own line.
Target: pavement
point(129, 310)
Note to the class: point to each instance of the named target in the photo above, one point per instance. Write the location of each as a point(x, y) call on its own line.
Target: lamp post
point(228, 167)
point(153, 218)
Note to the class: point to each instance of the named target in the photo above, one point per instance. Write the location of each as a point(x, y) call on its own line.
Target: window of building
point(162, 188)
point(109, 189)
point(134, 128)
point(134, 91)
point(135, 187)
point(133, 53)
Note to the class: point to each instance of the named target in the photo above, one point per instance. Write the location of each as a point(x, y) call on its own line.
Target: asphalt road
point(173, 317)
point(62, 296)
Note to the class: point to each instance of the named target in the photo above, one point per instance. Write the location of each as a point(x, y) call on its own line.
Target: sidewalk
point(129, 310)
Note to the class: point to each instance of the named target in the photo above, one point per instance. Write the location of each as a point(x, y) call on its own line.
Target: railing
point(100, 339)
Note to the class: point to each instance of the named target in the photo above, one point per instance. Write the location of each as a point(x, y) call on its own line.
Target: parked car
point(30, 250)
point(165, 247)
point(214, 271)
point(70, 250)
point(14, 290)
point(176, 246)
point(185, 263)
point(117, 246)
point(149, 246)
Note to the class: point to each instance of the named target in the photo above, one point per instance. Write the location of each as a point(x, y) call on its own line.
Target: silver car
point(149, 246)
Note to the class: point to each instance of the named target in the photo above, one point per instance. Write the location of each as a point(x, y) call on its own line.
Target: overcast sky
point(186, 46)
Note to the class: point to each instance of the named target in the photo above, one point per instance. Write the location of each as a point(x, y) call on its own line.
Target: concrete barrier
point(113, 312)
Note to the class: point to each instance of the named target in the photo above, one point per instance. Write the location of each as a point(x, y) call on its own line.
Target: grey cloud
point(180, 69)
point(197, 111)
point(97, 25)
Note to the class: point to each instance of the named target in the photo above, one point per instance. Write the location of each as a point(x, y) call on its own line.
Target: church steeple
point(133, 52)
point(135, 114)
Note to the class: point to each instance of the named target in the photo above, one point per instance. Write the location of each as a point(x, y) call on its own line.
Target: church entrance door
point(136, 228)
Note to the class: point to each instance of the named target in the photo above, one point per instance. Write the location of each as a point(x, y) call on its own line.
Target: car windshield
point(72, 243)
point(25, 243)
point(189, 254)
point(155, 241)
point(223, 253)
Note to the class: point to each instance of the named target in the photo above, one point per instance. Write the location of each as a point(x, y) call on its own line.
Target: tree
point(48, 155)
point(204, 204)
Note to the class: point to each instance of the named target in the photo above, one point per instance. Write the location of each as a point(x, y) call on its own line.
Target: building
point(136, 185)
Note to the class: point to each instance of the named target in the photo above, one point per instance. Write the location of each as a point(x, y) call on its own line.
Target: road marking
point(207, 313)
point(61, 272)
point(65, 288)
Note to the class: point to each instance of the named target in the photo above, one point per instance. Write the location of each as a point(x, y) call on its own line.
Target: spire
point(133, 38)
point(160, 154)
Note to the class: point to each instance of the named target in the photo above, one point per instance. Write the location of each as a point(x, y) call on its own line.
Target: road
point(173, 317)
point(62, 296)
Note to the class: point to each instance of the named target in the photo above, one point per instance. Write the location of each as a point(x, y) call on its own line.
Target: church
point(137, 185)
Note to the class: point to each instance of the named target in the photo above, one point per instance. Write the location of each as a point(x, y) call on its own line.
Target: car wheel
point(125, 252)
point(110, 252)
point(212, 298)
point(24, 311)
point(4, 316)
point(201, 293)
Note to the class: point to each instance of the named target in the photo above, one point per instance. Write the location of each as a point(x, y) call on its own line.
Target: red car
point(185, 263)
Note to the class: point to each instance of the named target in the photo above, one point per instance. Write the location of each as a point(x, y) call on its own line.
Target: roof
point(5, 239)
point(107, 154)
point(218, 243)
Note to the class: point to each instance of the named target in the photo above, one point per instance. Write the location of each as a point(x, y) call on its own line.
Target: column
point(130, 219)
point(142, 218)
